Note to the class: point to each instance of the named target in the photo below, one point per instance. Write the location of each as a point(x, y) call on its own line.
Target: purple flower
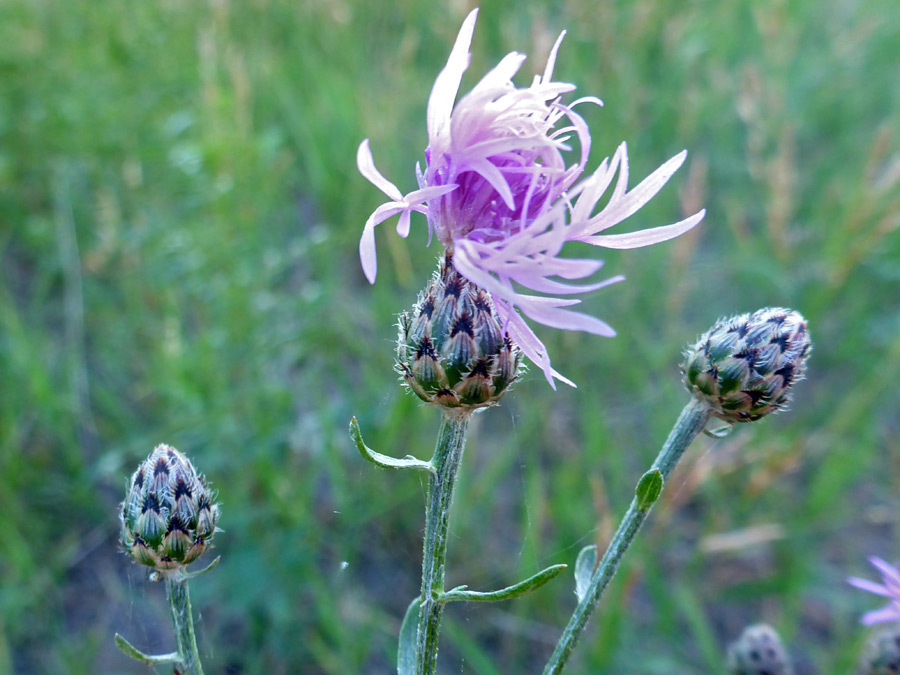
point(497, 192)
point(889, 589)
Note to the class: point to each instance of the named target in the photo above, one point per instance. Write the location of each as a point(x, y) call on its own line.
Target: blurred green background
point(179, 217)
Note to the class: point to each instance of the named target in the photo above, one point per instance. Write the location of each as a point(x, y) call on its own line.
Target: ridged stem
point(180, 604)
point(690, 423)
point(447, 457)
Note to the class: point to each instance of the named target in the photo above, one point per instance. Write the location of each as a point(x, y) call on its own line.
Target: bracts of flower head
point(452, 351)
point(168, 520)
point(169, 515)
point(498, 193)
point(759, 651)
point(744, 366)
point(881, 655)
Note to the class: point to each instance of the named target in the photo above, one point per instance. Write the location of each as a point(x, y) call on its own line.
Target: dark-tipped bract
point(745, 366)
point(169, 514)
point(452, 351)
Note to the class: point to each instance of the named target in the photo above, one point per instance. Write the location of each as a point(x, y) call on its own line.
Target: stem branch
point(690, 423)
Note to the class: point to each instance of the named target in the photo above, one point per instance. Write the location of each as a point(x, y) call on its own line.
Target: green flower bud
point(882, 653)
point(451, 350)
point(169, 515)
point(744, 367)
point(759, 652)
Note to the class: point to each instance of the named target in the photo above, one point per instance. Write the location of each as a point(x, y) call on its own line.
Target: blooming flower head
point(498, 193)
point(889, 589)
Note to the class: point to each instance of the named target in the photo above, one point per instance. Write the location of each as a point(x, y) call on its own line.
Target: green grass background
point(179, 217)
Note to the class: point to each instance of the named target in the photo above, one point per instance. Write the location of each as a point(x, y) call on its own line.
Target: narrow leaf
point(406, 650)
point(584, 570)
point(205, 570)
point(150, 660)
point(385, 461)
point(460, 594)
point(720, 430)
point(648, 489)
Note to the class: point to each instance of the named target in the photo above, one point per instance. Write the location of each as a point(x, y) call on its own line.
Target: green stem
point(447, 457)
point(690, 423)
point(180, 603)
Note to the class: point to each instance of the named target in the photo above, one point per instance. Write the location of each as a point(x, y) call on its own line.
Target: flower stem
point(180, 603)
point(447, 457)
point(690, 423)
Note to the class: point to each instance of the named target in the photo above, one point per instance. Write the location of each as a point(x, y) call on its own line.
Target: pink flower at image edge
point(497, 192)
point(889, 589)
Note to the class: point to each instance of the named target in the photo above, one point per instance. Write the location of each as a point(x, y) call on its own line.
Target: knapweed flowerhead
point(881, 655)
point(889, 588)
point(498, 192)
point(169, 515)
point(451, 350)
point(745, 366)
point(759, 651)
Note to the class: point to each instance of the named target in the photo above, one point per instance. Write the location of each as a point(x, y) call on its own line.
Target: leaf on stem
point(406, 650)
point(205, 570)
point(148, 659)
point(718, 429)
point(460, 594)
point(648, 489)
point(385, 461)
point(584, 570)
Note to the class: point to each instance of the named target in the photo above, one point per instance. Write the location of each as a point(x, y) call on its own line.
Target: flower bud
point(758, 652)
point(451, 350)
point(882, 653)
point(168, 516)
point(744, 367)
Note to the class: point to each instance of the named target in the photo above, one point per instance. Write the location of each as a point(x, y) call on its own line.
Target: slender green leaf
point(148, 659)
point(718, 429)
point(205, 570)
point(386, 461)
point(406, 650)
point(461, 594)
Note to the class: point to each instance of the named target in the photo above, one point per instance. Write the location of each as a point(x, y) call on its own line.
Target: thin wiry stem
point(690, 423)
point(180, 604)
point(447, 457)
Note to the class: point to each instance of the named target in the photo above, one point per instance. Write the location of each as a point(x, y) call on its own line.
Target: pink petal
point(620, 209)
point(551, 60)
point(500, 76)
point(416, 197)
point(870, 586)
point(546, 286)
point(367, 242)
point(884, 615)
point(446, 86)
point(585, 99)
point(531, 345)
point(403, 224)
point(554, 317)
point(622, 183)
point(543, 310)
point(653, 235)
point(366, 164)
point(588, 193)
point(469, 267)
point(494, 176)
point(367, 255)
point(890, 573)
